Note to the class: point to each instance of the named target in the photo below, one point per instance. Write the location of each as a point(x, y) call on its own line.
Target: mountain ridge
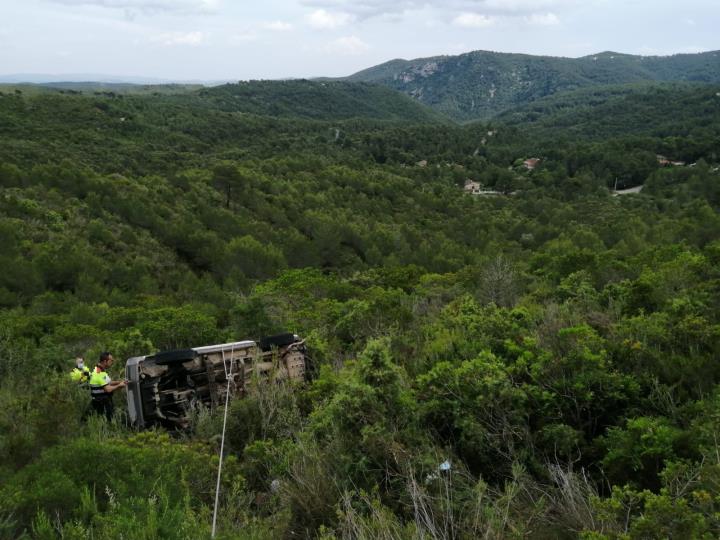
point(479, 85)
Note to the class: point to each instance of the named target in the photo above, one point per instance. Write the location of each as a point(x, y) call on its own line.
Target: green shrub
point(115, 469)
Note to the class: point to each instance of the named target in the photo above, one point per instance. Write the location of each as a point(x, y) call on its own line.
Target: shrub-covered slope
point(536, 362)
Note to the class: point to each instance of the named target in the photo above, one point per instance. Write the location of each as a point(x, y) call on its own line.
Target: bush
point(115, 469)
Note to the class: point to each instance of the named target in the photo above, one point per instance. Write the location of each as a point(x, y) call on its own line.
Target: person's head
point(106, 360)
point(79, 362)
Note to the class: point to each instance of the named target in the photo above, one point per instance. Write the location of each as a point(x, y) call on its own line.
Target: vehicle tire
point(167, 358)
point(279, 340)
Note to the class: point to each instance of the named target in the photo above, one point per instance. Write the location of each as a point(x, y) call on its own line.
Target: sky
point(219, 40)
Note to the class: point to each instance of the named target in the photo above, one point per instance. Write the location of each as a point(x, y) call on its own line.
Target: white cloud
point(528, 7)
point(373, 8)
point(351, 45)
point(278, 26)
point(149, 6)
point(365, 8)
point(326, 20)
point(473, 20)
point(169, 39)
point(543, 19)
point(243, 37)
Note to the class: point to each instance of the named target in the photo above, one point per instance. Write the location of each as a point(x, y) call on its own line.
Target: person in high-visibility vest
point(81, 373)
point(102, 387)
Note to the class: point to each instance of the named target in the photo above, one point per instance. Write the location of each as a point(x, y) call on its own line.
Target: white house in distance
point(472, 187)
point(476, 188)
point(665, 162)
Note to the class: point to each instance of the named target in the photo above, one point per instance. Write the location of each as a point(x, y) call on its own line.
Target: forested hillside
point(539, 362)
point(90, 87)
point(327, 100)
point(481, 84)
point(666, 110)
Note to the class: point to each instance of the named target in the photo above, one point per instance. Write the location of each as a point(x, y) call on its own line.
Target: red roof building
point(531, 163)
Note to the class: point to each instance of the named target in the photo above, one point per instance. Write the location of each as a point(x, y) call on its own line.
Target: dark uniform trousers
point(103, 405)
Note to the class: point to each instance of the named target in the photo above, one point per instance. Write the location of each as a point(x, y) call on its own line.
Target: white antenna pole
point(222, 440)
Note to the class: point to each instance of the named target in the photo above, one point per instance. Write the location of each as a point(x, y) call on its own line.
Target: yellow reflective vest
point(98, 381)
point(80, 375)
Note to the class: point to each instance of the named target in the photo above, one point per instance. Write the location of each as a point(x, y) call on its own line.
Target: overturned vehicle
point(167, 387)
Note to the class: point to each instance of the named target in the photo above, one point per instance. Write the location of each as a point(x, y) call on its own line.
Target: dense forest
point(479, 85)
point(540, 361)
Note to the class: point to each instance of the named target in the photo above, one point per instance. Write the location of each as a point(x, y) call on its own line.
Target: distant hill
point(319, 100)
point(53, 79)
point(298, 99)
point(482, 84)
point(91, 87)
point(657, 109)
point(147, 128)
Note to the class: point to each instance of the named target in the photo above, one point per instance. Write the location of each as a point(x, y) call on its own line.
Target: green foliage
point(482, 84)
point(644, 514)
point(177, 328)
point(641, 450)
point(97, 483)
point(366, 421)
point(316, 100)
point(577, 385)
point(32, 419)
point(536, 362)
point(476, 406)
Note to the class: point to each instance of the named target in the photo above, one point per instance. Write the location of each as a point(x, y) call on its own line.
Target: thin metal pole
point(222, 440)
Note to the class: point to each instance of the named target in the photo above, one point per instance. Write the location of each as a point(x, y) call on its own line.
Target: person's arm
point(114, 385)
point(111, 386)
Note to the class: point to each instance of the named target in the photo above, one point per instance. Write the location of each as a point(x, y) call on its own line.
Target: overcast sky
point(241, 39)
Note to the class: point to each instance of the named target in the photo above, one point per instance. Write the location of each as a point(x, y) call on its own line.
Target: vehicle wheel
point(279, 340)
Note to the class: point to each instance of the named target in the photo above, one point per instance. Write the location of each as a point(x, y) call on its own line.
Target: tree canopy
point(537, 360)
